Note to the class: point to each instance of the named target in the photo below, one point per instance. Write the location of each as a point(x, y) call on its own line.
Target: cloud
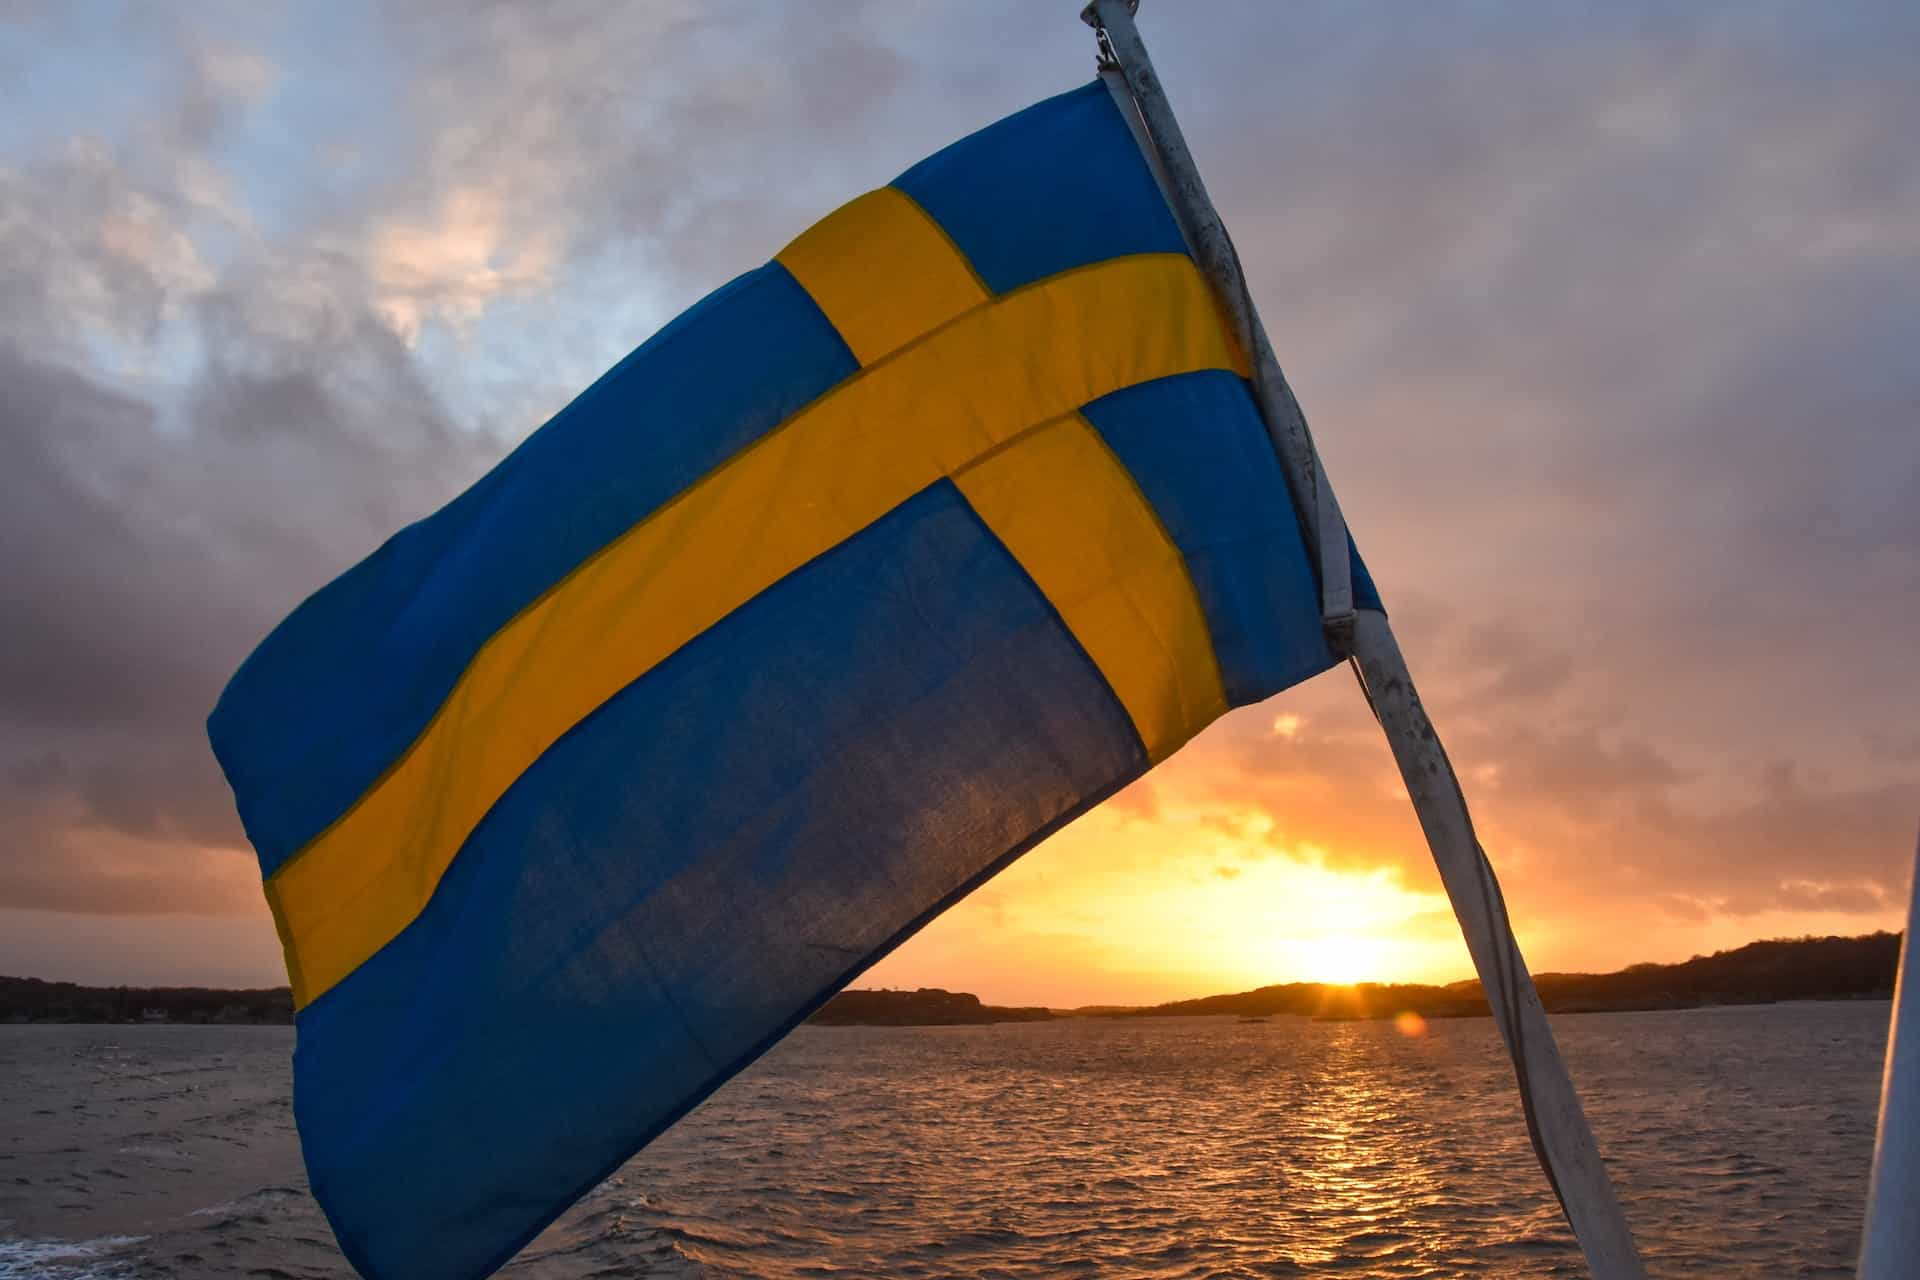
point(1600, 322)
point(145, 558)
point(210, 413)
point(189, 451)
point(1580, 818)
point(456, 265)
point(1604, 319)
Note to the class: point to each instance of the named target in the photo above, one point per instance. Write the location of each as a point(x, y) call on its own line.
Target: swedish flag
point(853, 583)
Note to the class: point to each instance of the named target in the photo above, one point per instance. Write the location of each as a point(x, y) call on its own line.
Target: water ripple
point(1166, 1149)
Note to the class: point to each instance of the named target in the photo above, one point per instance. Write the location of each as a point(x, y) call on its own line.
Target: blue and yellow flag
point(858, 579)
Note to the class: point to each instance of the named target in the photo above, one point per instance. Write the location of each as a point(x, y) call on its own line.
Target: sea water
point(1740, 1139)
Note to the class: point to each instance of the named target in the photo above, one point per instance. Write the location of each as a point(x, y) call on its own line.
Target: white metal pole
point(1555, 1121)
point(1890, 1244)
point(1213, 249)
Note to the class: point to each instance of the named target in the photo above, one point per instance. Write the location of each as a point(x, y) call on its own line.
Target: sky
point(1606, 318)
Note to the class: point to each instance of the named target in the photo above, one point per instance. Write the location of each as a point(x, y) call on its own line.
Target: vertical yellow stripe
point(1075, 519)
point(884, 272)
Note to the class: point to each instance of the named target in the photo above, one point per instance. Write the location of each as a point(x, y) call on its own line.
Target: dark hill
point(31, 1000)
point(1779, 969)
point(927, 1007)
point(1758, 973)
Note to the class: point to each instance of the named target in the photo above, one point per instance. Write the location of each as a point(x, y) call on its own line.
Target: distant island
point(927, 1007)
point(1861, 968)
point(31, 1000)
point(25, 1000)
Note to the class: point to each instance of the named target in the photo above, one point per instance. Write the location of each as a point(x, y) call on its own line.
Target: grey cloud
point(108, 881)
point(1601, 320)
point(1572, 807)
point(1895, 747)
point(686, 135)
point(154, 529)
point(1604, 319)
point(79, 564)
point(144, 560)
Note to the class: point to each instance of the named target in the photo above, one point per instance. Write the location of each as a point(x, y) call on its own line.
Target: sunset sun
point(1346, 958)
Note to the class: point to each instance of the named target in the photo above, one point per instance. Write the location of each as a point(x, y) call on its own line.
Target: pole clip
point(1339, 632)
point(1105, 59)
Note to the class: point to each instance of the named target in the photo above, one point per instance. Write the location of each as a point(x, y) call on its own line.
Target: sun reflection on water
point(1365, 1164)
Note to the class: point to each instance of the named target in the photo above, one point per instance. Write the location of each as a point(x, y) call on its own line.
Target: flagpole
point(1890, 1240)
point(1555, 1120)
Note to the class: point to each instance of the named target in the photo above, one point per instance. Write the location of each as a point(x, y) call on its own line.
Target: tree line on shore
point(32, 1000)
point(1761, 972)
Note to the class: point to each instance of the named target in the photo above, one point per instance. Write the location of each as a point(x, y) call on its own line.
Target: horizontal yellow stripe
point(883, 271)
point(829, 471)
point(1073, 517)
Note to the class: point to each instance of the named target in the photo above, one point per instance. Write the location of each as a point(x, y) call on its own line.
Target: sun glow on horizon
point(1302, 921)
point(1346, 958)
point(1140, 909)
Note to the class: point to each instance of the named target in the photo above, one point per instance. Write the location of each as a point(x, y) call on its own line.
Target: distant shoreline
point(1768, 972)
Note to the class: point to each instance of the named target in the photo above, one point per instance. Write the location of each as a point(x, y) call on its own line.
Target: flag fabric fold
point(869, 571)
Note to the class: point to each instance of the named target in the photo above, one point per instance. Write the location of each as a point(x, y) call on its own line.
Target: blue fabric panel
point(1196, 446)
point(345, 684)
point(687, 874)
point(1056, 186)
